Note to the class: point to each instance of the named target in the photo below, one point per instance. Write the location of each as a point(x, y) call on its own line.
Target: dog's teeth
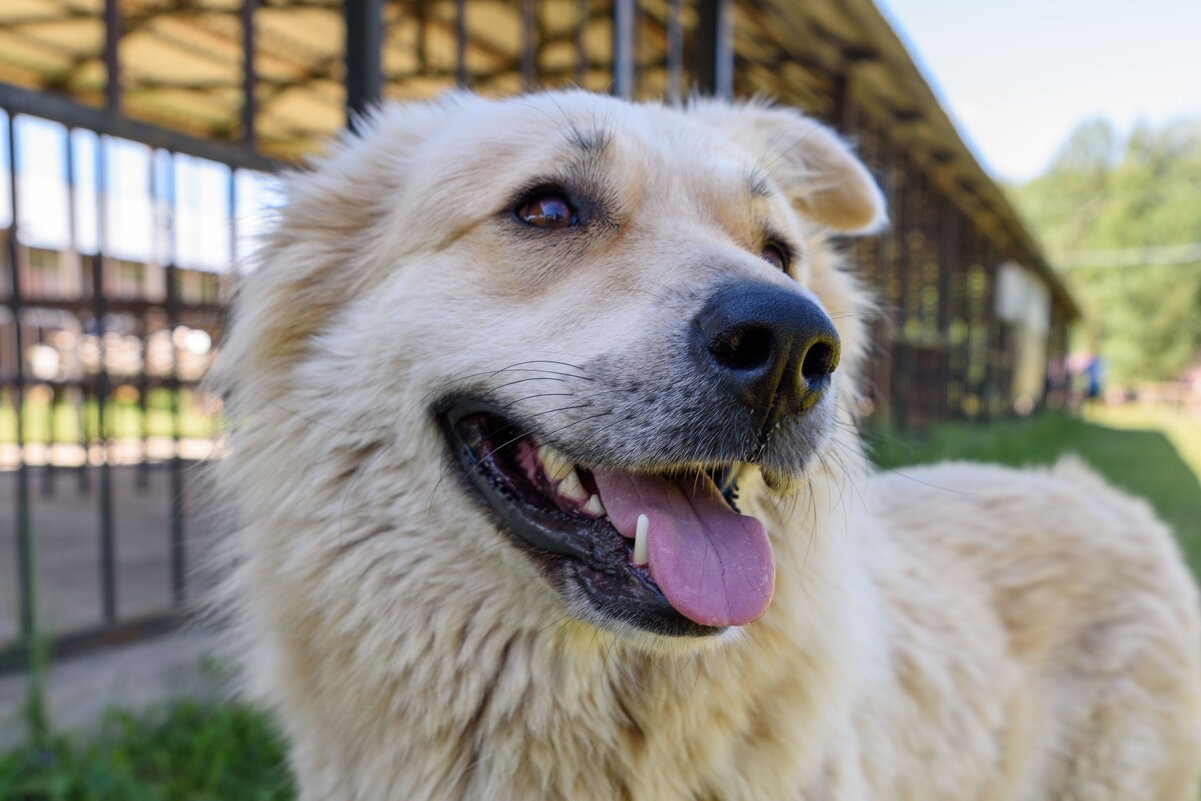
point(640, 534)
point(571, 488)
point(594, 506)
point(556, 465)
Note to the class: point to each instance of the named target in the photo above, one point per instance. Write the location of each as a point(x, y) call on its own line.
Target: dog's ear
point(805, 158)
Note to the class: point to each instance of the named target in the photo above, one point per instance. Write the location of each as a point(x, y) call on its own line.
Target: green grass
point(1151, 453)
point(189, 753)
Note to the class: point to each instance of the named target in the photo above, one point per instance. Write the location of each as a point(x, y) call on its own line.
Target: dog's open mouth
point(668, 552)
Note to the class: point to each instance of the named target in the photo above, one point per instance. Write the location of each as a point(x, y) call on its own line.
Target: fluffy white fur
point(947, 633)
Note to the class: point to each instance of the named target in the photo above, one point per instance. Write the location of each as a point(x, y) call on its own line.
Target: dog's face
point(604, 327)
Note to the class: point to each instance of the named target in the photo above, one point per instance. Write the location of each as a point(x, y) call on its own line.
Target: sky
point(140, 198)
point(1017, 75)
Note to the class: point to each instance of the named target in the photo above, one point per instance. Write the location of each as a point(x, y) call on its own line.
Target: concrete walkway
point(135, 677)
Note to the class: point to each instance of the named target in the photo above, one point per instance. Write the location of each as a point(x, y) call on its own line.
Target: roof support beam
point(364, 46)
point(623, 49)
point(112, 51)
point(715, 48)
point(249, 74)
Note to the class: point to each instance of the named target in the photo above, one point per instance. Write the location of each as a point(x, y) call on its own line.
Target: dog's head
point(587, 332)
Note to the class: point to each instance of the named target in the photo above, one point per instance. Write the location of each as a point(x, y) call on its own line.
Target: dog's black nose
point(774, 348)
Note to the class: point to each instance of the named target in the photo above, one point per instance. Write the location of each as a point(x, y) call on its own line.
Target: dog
point(543, 451)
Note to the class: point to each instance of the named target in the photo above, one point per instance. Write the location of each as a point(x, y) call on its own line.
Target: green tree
point(1101, 201)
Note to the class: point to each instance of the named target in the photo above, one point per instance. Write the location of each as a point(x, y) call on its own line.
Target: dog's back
point(1067, 602)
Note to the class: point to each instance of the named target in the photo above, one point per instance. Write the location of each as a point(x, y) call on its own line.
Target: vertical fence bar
point(142, 471)
point(420, 47)
point(581, 50)
point(529, 45)
point(108, 590)
point(461, 78)
point(623, 48)
point(84, 475)
point(112, 62)
point(904, 219)
point(992, 380)
point(173, 385)
point(73, 245)
point(364, 43)
point(25, 577)
point(249, 75)
point(675, 51)
point(637, 66)
point(112, 50)
point(48, 469)
point(947, 267)
point(715, 48)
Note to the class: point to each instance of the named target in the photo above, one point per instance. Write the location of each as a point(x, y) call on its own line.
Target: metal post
point(581, 64)
point(947, 267)
point(112, 54)
point(675, 51)
point(108, 592)
point(364, 44)
point(26, 579)
point(529, 45)
point(715, 49)
point(900, 272)
point(623, 48)
point(249, 74)
point(142, 382)
point(176, 469)
point(843, 112)
point(461, 76)
point(84, 478)
point(992, 381)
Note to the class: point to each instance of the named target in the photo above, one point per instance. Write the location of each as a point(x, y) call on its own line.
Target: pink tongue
point(714, 565)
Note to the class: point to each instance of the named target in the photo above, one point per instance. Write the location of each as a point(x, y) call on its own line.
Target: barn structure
point(974, 321)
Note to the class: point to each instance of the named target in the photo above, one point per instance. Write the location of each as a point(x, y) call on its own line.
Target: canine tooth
point(556, 465)
point(594, 506)
point(640, 534)
point(571, 488)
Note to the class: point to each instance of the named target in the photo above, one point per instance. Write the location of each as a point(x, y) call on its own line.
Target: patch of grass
point(1150, 453)
point(189, 752)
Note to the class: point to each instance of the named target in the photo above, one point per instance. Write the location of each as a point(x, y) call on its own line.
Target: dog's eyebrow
point(592, 142)
point(758, 183)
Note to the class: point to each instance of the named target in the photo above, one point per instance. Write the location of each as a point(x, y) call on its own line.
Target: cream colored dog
point(550, 488)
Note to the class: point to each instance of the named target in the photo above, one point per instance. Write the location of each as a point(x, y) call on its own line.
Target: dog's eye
point(775, 254)
point(551, 210)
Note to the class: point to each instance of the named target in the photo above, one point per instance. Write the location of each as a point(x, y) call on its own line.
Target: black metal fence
point(80, 340)
point(110, 347)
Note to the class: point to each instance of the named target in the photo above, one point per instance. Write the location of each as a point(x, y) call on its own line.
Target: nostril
point(743, 348)
point(820, 360)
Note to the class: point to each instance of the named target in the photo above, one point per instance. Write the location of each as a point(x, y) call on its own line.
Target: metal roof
point(181, 67)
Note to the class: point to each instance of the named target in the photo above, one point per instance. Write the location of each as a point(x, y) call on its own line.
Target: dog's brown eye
point(548, 211)
point(776, 255)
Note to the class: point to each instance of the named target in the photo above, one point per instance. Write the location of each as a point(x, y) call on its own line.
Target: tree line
point(1121, 216)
